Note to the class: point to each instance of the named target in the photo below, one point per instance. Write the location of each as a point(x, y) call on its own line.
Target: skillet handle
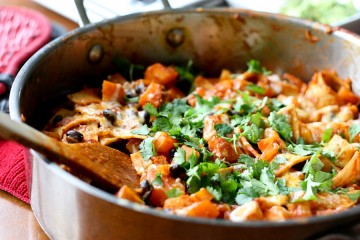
point(85, 19)
point(82, 12)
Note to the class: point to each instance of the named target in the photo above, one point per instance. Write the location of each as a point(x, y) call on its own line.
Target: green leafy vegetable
point(280, 123)
point(315, 179)
point(354, 130)
point(143, 130)
point(128, 69)
point(256, 89)
point(223, 129)
point(151, 109)
point(255, 67)
point(157, 180)
point(147, 148)
point(174, 192)
point(326, 136)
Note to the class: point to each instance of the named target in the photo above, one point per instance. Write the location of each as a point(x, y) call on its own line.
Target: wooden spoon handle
point(26, 135)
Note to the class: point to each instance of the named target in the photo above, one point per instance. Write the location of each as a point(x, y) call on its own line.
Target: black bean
point(73, 136)
point(177, 171)
point(146, 117)
point(139, 88)
point(110, 115)
point(130, 95)
point(172, 152)
point(233, 112)
point(57, 119)
point(145, 186)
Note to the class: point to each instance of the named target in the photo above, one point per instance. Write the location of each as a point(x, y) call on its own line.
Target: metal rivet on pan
point(175, 37)
point(96, 53)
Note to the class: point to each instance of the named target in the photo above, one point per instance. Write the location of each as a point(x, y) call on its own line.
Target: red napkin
point(13, 172)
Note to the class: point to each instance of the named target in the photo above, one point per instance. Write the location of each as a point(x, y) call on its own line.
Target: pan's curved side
point(68, 208)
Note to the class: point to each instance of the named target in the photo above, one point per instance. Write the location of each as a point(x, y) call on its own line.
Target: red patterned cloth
point(13, 172)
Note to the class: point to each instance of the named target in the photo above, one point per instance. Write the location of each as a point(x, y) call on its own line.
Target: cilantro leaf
point(353, 196)
point(161, 124)
point(128, 69)
point(315, 179)
point(147, 148)
point(242, 198)
point(275, 105)
point(255, 67)
point(193, 160)
point(186, 76)
point(157, 180)
point(151, 109)
point(174, 192)
point(253, 133)
point(309, 186)
point(143, 130)
point(180, 156)
point(354, 130)
point(223, 129)
point(326, 136)
point(279, 159)
point(280, 123)
point(131, 99)
point(302, 149)
point(216, 192)
point(255, 88)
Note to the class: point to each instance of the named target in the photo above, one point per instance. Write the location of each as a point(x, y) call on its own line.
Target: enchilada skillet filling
point(243, 146)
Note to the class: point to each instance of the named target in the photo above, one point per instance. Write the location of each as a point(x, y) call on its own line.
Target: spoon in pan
point(108, 168)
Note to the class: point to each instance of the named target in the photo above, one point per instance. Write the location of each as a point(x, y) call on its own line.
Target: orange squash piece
point(153, 95)
point(163, 143)
point(205, 209)
point(127, 193)
point(112, 92)
point(161, 74)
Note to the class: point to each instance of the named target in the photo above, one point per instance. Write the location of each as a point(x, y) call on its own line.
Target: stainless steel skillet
point(68, 208)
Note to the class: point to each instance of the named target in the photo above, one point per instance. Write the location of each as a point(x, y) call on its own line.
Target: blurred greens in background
point(324, 11)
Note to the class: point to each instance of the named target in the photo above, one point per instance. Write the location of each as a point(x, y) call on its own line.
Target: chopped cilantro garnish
point(354, 130)
point(147, 148)
point(256, 89)
point(186, 76)
point(151, 109)
point(131, 100)
point(180, 156)
point(302, 149)
point(326, 136)
point(315, 179)
point(174, 192)
point(223, 129)
point(255, 67)
point(157, 180)
point(275, 105)
point(216, 192)
point(280, 123)
point(143, 130)
point(253, 133)
point(128, 69)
